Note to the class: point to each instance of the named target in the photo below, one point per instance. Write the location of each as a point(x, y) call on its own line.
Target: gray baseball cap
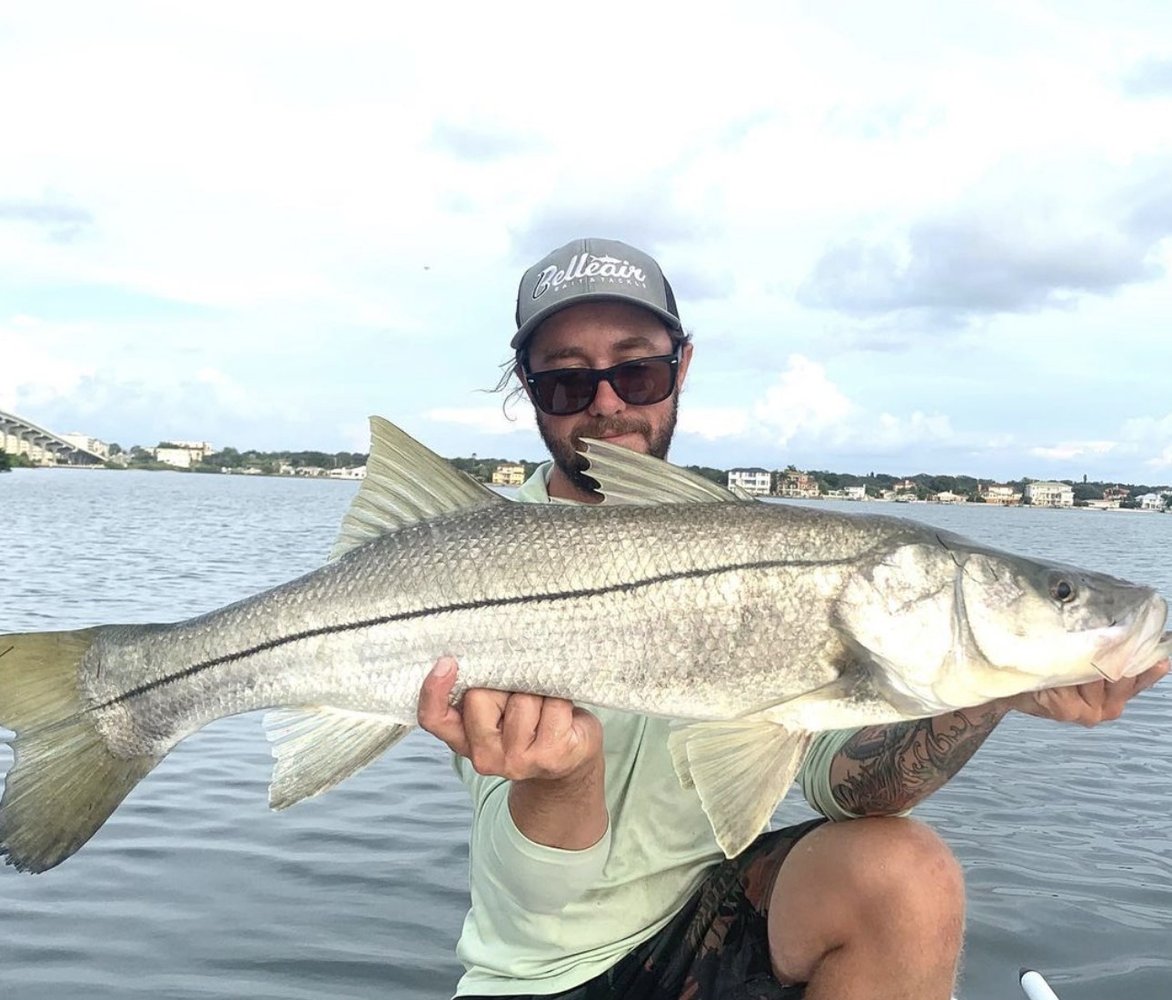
point(591, 270)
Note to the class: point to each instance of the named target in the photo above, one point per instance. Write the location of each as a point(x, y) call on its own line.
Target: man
point(593, 873)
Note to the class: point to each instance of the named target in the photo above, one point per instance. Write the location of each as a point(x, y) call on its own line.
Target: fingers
point(522, 715)
point(1153, 674)
point(1091, 703)
point(511, 734)
point(435, 713)
point(555, 727)
point(536, 738)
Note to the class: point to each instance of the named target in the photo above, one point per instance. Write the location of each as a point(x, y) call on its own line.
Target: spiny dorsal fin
point(315, 748)
point(741, 769)
point(405, 483)
point(628, 477)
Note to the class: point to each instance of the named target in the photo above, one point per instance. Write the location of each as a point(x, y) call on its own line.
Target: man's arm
point(883, 770)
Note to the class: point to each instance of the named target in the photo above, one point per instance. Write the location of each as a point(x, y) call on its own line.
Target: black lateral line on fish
point(499, 602)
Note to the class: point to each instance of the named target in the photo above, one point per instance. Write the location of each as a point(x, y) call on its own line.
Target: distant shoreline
point(766, 498)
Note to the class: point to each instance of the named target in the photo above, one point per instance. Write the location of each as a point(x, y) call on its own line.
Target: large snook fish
point(759, 623)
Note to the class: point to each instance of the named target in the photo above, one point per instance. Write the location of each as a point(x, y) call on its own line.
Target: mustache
point(610, 427)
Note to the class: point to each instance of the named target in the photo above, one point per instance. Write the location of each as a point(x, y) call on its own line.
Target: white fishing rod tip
point(1035, 986)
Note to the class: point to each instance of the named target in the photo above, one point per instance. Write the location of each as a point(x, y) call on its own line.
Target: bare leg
point(871, 908)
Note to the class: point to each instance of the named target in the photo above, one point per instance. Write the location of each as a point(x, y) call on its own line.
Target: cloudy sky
point(906, 236)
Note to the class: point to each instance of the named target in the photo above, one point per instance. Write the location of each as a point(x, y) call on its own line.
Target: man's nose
point(606, 401)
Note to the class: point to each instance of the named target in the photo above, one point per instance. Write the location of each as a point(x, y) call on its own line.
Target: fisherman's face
point(599, 335)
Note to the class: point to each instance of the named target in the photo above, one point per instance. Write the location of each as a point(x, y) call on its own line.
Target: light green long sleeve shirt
point(545, 920)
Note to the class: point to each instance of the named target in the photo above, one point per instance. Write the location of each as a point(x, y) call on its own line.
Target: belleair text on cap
point(592, 270)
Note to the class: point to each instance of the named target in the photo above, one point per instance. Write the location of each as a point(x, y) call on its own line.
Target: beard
point(565, 451)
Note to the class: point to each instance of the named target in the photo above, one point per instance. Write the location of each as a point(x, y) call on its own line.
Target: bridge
point(19, 437)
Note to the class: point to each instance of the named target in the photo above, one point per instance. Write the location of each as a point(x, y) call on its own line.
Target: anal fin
point(741, 769)
point(316, 748)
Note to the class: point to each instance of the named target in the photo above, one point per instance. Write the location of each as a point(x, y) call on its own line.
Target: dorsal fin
point(628, 477)
point(405, 483)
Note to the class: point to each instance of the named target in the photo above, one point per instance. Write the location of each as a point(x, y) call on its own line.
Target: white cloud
point(889, 431)
point(803, 401)
point(712, 423)
point(1075, 449)
point(486, 419)
point(399, 189)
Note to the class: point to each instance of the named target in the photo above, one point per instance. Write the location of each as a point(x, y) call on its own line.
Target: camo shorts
point(717, 946)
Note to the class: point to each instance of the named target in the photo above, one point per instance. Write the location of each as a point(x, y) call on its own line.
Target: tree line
point(967, 486)
point(480, 468)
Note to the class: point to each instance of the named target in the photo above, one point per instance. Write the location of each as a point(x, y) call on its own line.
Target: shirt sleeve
point(815, 776)
point(504, 862)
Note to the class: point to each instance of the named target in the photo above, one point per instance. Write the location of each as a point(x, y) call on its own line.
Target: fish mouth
point(1143, 643)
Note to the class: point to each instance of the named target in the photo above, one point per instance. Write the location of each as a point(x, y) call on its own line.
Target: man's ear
point(685, 360)
point(520, 373)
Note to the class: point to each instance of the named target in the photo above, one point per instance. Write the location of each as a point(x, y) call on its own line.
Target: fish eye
point(1062, 590)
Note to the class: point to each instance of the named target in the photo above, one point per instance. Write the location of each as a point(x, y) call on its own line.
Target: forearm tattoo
point(886, 769)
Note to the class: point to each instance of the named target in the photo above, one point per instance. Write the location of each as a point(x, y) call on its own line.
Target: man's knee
point(862, 880)
point(893, 863)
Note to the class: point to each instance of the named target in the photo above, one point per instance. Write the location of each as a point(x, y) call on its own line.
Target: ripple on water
point(194, 889)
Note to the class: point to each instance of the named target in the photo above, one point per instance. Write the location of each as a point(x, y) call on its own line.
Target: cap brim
point(529, 327)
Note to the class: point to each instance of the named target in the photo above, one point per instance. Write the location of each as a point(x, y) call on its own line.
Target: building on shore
point(183, 454)
point(1007, 496)
point(359, 472)
point(87, 443)
point(508, 475)
point(1116, 494)
point(792, 483)
point(756, 481)
point(1046, 494)
point(906, 486)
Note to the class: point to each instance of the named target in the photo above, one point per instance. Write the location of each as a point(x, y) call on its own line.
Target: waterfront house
point(1007, 496)
point(508, 475)
point(792, 483)
point(1045, 494)
point(756, 481)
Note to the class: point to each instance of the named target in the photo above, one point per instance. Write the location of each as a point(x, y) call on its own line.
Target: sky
point(906, 237)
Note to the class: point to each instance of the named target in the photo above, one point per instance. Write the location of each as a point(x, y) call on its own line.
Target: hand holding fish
point(517, 736)
point(1087, 704)
point(549, 748)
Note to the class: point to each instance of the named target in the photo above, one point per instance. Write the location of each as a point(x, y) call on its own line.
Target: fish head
point(1057, 624)
point(949, 624)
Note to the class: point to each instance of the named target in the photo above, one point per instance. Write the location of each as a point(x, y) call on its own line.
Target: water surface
point(194, 890)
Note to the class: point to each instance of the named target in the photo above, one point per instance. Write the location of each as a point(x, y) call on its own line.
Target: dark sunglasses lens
point(642, 383)
point(564, 392)
point(570, 390)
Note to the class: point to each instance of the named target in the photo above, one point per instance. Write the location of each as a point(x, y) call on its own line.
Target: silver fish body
point(709, 610)
point(703, 611)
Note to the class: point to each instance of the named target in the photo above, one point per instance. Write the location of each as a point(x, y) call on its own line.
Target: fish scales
point(647, 609)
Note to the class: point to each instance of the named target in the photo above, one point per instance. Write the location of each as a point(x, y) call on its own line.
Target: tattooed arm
point(888, 769)
point(882, 770)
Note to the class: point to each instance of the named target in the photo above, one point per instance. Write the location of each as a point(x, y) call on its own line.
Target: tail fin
point(64, 782)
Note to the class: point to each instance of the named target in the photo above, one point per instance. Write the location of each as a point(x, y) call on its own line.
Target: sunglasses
point(638, 382)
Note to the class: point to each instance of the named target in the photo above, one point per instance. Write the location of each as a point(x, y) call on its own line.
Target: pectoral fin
point(315, 748)
point(741, 770)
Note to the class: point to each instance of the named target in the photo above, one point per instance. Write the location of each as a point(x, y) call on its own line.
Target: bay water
point(194, 890)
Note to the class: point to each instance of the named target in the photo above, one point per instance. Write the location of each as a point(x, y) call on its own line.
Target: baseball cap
point(591, 270)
